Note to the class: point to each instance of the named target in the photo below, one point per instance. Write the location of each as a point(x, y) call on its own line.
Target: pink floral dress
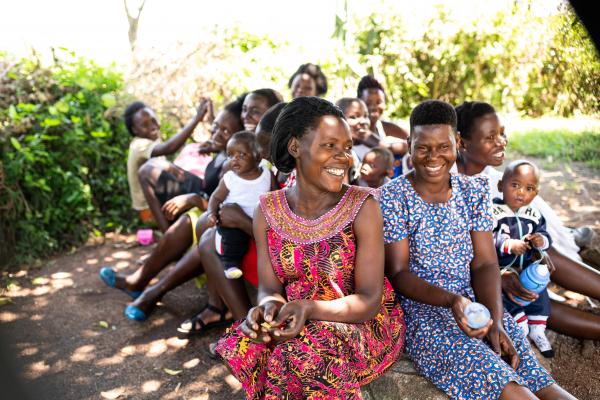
point(314, 259)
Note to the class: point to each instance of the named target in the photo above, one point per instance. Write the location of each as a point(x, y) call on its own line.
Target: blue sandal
point(134, 313)
point(109, 276)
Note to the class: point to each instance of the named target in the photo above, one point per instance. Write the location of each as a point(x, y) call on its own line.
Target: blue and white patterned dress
point(440, 253)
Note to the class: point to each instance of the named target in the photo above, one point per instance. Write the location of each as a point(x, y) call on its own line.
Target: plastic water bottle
point(477, 315)
point(534, 278)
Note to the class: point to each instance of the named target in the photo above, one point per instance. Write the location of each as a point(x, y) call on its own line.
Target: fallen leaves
point(4, 301)
point(172, 372)
point(40, 280)
point(112, 394)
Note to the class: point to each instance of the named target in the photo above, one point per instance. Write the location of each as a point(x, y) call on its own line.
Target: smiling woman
point(327, 321)
point(440, 258)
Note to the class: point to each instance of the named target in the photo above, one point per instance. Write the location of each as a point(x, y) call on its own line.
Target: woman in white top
point(371, 92)
point(482, 146)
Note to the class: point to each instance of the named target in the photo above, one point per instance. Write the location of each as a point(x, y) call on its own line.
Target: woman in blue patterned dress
point(439, 257)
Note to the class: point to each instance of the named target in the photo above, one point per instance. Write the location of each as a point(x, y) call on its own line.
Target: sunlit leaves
point(62, 155)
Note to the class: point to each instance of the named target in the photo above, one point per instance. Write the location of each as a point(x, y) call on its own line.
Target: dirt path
point(55, 328)
point(53, 324)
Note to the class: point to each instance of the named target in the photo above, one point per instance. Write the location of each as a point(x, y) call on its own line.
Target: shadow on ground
point(71, 341)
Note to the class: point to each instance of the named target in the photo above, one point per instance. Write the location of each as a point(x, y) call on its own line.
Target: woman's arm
point(178, 140)
point(368, 278)
point(408, 284)
point(392, 129)
point(269, 286)
point(271, 295)
point(368, 273)
point(485, 273)
point(411, 286)
point(181, 203)
point(485, 279)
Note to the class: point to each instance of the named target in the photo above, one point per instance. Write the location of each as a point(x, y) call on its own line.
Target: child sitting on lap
point(519, 235)
point(242, 185)
point(377, 167)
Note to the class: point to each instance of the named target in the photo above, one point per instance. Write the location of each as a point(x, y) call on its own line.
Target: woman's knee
point(206, 242)
point(148, 173)
point(554, 392)
point(179, 233)
point(514, 391)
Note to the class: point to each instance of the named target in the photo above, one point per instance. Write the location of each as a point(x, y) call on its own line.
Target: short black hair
point(264, 129)
point(432, 112)
point(249, 138)
point(345, 102)
point(315, 72)
point(272, 96)
point(235, 108)
point(368, 82)
point(466, 114)
point(267, 122)
point(130, 112)
point(295, 120)
point(385, 153)
point(512, 168)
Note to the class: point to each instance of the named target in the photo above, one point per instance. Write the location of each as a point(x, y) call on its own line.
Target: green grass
point(558, 145)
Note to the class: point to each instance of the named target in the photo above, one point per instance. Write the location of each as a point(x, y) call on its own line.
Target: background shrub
point(62, 155)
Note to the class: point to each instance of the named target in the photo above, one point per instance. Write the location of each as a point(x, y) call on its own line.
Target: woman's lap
point(468, 368)
point(291, 366)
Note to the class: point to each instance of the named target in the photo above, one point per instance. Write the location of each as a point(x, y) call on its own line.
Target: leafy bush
point(62, 155)
point(514, 59)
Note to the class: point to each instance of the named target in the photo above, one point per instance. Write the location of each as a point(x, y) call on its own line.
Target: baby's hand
point(518, 247)
point(212, 219)
point(536, 240)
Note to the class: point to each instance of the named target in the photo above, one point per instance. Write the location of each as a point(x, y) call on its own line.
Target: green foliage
point(62, 156)
point(559, 145)
point(567, 77)
point(514, 59)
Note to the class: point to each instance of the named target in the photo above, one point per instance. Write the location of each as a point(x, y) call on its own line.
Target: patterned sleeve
point(394, 213)
point(480, 204)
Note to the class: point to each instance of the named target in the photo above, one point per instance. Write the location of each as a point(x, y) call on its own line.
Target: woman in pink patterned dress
point(327, 321)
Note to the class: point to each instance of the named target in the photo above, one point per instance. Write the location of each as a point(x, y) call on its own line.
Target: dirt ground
point(73, 342)
point(68, 339)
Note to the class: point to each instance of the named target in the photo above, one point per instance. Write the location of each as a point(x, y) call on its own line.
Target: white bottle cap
point(542, 270)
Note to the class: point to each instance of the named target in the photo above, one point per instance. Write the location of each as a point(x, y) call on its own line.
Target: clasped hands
point(274, 320)
point(531, 240)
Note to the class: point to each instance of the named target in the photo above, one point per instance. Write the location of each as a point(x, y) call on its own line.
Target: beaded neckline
point(287, 224)
point(317, 220)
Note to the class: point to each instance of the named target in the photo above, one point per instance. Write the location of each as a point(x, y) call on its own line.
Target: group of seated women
point(348, 266)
